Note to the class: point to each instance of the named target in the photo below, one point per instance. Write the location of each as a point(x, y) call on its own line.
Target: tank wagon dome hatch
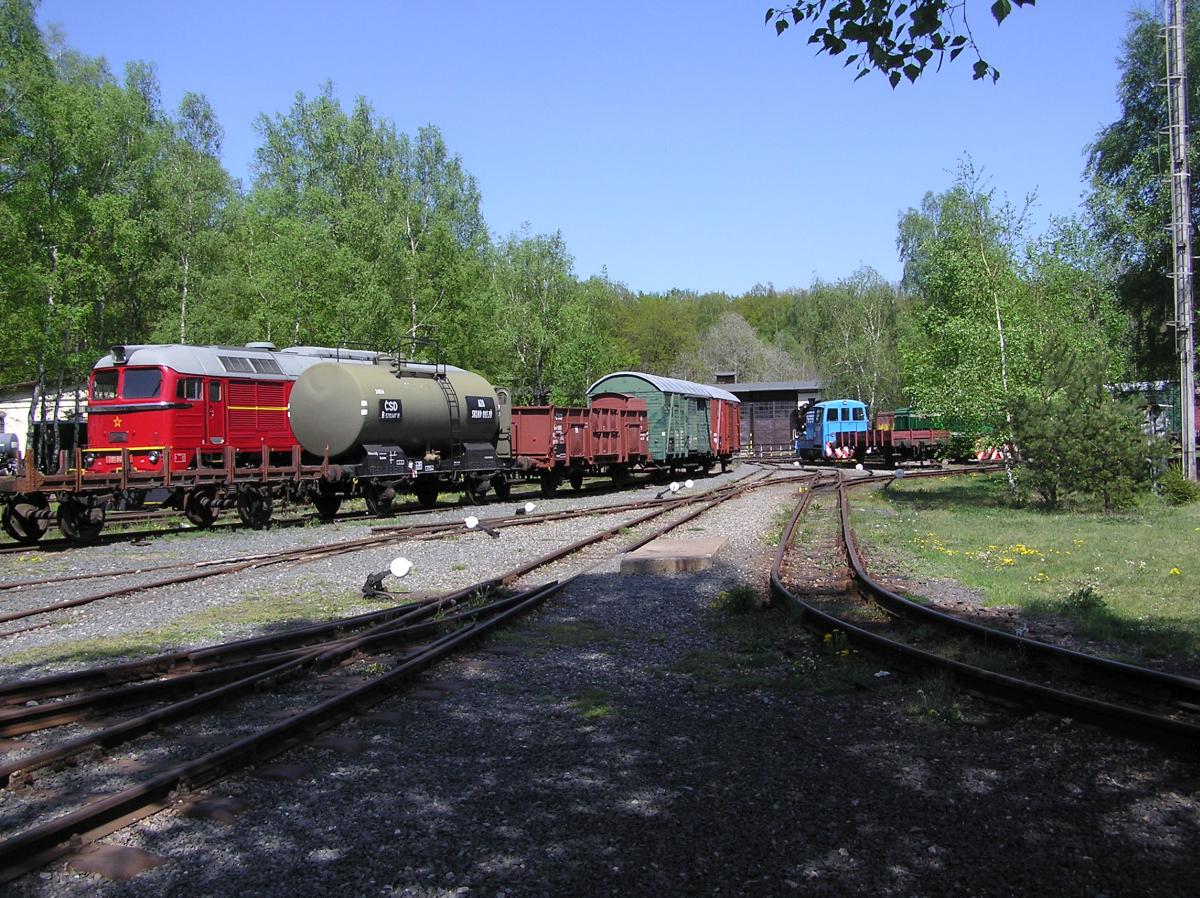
point(612, 383)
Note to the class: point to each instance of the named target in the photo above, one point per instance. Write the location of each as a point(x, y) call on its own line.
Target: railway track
point(1146, 704)
point(321, 674)
point(189, 572)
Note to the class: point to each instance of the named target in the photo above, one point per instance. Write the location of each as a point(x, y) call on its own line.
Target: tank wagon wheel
point(549, 483)
point(254, 507)
point(426, 489)
point(21, 520)
point(379, 498)
point(78, 522)
point(576, 479)
point(200, 506)
point(472, 490)
point(501, 487)
point(326, 504)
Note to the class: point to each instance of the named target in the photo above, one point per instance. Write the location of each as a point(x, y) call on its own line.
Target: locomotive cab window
point(845, 414)
point(104, 384)
point(141, 383)
point(859, 414)
point(214, 391)
point(189, 388)
point(831, 414)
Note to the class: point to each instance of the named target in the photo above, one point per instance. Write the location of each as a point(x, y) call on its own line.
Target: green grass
point(539, 638)
point(594, 704)
point(1129, 577)
point(260, 612)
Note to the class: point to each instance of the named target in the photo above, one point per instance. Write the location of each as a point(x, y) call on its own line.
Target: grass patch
point(594, 704)
point(936, 700)
point(1129, 577)
point(739, 599)
point(542, 637)
point(779, 521)
point(260, 613)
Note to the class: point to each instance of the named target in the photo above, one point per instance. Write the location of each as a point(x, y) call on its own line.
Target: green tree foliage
point(553, 335)
point(731, 344)
point(1077, 442)
point(849, 330)
point(897, 38)
point(354, 232)
point(77, 202)
point(989, 303)
point(1130, 200)
point(196, 196)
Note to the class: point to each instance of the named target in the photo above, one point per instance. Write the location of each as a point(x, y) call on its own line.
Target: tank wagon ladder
point(452, 406)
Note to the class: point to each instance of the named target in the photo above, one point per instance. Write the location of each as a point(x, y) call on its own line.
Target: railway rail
point(409, 635)
point(1146, 704)
point(203, 570)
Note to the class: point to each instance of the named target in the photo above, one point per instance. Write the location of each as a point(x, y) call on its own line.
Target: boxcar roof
point(670, 385)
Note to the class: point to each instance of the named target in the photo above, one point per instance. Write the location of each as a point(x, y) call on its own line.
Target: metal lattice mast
point(1181, 231)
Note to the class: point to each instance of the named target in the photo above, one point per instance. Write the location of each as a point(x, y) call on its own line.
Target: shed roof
point(671, 385)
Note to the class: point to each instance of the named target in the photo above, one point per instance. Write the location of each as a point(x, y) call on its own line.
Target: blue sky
point(677, 144)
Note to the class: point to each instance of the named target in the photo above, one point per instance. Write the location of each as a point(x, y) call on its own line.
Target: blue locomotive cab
point(824, 421)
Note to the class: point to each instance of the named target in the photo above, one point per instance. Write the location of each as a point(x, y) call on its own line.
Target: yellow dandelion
point(1175, 572)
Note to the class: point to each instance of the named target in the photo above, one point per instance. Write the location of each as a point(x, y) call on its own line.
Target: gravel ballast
point(600, 747)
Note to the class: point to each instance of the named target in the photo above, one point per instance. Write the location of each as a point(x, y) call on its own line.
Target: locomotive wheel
point(501, 487)
point(327, 505)
point(200, 506)
point(426, 489)
point(549, 483)
point(78, 522)
point(21, 521)
point(576, 478)
point(254, 507)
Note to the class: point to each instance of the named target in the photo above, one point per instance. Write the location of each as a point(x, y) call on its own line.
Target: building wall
point(14, 410)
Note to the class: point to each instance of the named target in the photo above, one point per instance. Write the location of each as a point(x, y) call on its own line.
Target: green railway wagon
point(681, 432)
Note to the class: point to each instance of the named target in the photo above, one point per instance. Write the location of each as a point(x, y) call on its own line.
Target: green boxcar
point(677, 414)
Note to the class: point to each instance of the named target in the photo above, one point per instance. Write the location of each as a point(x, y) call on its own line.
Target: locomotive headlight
point(89, 459)
point(153, 457)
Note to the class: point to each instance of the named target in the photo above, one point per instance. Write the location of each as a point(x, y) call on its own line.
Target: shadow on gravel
point(569, 757)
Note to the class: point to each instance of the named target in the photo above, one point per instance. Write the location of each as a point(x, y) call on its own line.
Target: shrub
point(740, 599)
point(1077, 441)
point(1177, 489)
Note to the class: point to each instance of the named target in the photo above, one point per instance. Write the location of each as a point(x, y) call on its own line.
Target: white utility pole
point(1181, 229)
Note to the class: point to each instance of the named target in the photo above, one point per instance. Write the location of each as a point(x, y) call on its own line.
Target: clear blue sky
point(680, 144)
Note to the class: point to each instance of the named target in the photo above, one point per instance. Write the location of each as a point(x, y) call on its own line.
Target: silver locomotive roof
point(253, 360)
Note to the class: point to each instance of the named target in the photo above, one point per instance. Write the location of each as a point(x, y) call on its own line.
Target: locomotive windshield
point(141, 383)
point(104, 384)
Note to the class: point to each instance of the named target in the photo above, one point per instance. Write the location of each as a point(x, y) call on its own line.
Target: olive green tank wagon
point(341, 408)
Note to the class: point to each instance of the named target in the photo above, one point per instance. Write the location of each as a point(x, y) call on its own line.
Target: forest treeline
point(118, 224)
